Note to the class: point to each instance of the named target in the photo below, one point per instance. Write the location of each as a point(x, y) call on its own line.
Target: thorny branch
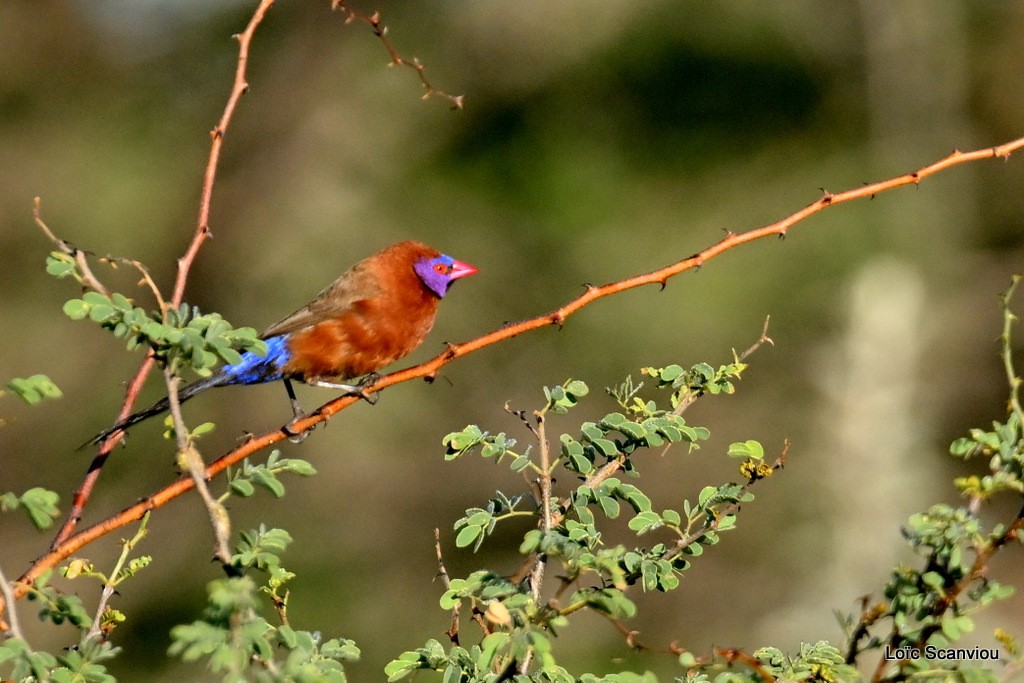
point(429, 368)
point(202, 232)
point(381, 31)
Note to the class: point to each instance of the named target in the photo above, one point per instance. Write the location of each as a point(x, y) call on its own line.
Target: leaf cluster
point(179, 337)
point(34, 389)
point(39, 504)
point(573, 528)
point(241, 644)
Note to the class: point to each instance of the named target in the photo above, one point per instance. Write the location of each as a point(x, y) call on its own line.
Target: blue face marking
point(254, 369)
point(436, 273)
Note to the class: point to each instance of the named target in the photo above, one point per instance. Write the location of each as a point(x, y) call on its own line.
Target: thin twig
point(190, 460)
point(544, 486)
point(110, 585)
point(1007, 350)
point(690, 397)
point(381, 31)
point(453, 631)
point(240, 87)
point(84, 490)
point(763, 339)
point(13, 626)
point(146, 278)
point(430, 368)
point(88, 280)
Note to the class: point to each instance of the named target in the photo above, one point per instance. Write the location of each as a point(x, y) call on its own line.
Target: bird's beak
point(460, 269)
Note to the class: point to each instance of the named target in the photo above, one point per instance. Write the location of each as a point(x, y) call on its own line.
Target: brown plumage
point(375, 313)
point(371, 316)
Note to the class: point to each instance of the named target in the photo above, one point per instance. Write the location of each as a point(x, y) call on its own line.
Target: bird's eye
point(441, 269)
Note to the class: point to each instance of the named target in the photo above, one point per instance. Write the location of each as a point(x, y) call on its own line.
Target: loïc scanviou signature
point(962, 654)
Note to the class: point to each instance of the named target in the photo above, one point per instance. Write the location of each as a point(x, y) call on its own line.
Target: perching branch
point(428, 369)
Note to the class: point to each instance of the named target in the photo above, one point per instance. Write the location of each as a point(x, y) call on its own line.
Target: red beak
point(460, 269)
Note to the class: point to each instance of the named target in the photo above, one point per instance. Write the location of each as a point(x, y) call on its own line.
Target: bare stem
point(14, 627)
point(110, 585)
point(190, 460)
point(381, 31)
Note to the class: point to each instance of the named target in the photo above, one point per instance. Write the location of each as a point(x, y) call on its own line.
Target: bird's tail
point(184, 394)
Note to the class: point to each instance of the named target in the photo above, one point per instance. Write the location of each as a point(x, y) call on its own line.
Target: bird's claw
point(293, 435)
point(368, 396)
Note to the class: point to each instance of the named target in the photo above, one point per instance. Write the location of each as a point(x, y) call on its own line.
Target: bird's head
point(439, 272)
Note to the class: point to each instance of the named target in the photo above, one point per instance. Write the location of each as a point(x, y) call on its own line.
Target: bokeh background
point(599, 140)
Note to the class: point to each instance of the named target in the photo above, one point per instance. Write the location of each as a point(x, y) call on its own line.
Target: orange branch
point(241, 86)
point(84, 491)
point(428, 369)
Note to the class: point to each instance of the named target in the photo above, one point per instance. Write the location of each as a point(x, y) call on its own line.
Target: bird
point(375, 313)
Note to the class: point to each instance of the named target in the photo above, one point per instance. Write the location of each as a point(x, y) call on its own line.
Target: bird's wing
point(334, 301)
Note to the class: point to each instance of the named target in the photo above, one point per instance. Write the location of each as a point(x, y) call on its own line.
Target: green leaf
point(299, 467)
point(101, 313)
point(242, 487)
point(609, 506)
point(41, 506)
point(60, 264)
point(204, 428)
point(577, 388)
point(645, 521)
point(96, 299)
point(671, 517)
point(606, 446)
point(747, 449)
point(34, 389)
point(705, 495)
point(76, 309)
point(467, 536)
point(520, 463)
point(268, 480)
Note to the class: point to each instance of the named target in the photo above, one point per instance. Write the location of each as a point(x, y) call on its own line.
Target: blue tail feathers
point(252, 369)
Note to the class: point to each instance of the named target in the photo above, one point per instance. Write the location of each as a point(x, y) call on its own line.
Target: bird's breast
point(371, 334)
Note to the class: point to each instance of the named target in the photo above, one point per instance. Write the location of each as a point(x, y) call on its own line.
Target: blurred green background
point(598, 141)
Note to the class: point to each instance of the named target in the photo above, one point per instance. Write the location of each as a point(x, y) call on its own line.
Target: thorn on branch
point(915, 177)
point(451, 350)
point(381, 31)
point(826, 197)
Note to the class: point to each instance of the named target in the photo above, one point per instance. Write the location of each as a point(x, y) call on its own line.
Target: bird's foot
point(369, 396)
point(354, 389)
point(294, 435)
